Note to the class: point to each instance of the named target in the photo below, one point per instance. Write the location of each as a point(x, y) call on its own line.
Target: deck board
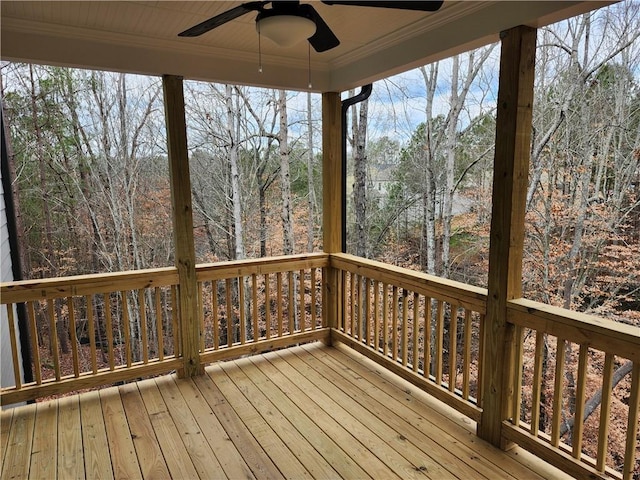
point(360, 408)
point(455, 438)
point(44, 450)
point(230, 459)
point(378, 460)
point(148, 452)
point(173, 449)
point(237, 425)
point(97, 457)
point(70, 464)
point(123, 454)
point(202, 456)
point(454, 443)
point(310, 430)
point(16, 459)
point(307, 412)
point(314, 463)
point(5, 428)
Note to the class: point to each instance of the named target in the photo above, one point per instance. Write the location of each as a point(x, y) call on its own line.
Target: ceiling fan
point(288, 22)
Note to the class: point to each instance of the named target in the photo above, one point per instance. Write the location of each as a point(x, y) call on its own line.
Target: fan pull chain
point(259, 50)
point(309, 65)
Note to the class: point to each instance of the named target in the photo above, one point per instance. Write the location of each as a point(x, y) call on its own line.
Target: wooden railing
point(91, 330)
point(425, 329)
point(567, 358)
point(429, 331)
point(252, 306)
point(94, 330)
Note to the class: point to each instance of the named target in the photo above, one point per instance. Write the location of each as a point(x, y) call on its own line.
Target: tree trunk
point(311, 198)
point(239, 252)
point(450, 159)
point(429, 216)
point(458, 98)
point(285, 180)
point(591, 404)
point(360, 180)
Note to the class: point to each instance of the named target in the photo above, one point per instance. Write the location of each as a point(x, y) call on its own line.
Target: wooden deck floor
point(306, 412)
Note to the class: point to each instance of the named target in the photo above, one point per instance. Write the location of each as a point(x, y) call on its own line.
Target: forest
point(91, 171)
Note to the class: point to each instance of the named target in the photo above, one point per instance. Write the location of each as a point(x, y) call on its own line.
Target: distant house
point(381, 180)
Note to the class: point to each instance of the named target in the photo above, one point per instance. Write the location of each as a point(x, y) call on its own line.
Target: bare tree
point(285, 180)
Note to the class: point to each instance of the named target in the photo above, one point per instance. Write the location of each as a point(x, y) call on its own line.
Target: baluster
point(517, 378)
point(158, 308)
point(557, 392)
point(34, 343)
point(481, 328)
point(229, 312)
point(109, 322)
point(279, 301)
point(303, 309)
point(92, 333)
point(53, 333)
point(537, 381)
point(291, 303)
point(255, 312)
point(241, 320)
point(353, 325)
point(394, 323)
point(14, 346)
point(453, 347)
point(267, 309)
point(385, 319)
point(143, 325)
point(405, 328)
point(415, 361)
point(376, 316)
point(175, 314)
point(578, 425)
point(314, 319)
point(428, 306)
point(73, 337)
point(605, 413)
point(201, 314)
point(342, 317)
point(127, 334)
point(366, 314)
point(632, 424)
point(215, 317)
point(439, 342)
point(466, 373)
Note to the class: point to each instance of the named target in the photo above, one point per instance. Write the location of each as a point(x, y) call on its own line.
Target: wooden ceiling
point(141, 37)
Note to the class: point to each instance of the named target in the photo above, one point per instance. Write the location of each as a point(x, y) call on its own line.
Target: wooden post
point(510, 180)
point(331, 201)
point(182, 223)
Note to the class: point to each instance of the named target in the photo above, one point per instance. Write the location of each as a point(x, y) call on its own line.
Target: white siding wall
point(6, 275)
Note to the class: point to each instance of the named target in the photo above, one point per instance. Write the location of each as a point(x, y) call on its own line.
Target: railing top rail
point(30, 290)
point(77, 285)
point(606, 335)
point(237, 268)
point(436, 287)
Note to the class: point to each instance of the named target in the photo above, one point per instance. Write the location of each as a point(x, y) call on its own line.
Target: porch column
point(331, 201)
point(510, 180)
point(185, 257)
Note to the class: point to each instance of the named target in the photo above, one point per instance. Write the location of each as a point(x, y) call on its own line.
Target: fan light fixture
point(286, 30)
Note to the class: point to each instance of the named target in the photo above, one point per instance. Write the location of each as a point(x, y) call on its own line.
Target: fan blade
point(324, 39)
point(401, 5)
point(223, 18)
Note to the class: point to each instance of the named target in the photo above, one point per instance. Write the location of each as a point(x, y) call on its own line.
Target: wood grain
point(310, 411)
